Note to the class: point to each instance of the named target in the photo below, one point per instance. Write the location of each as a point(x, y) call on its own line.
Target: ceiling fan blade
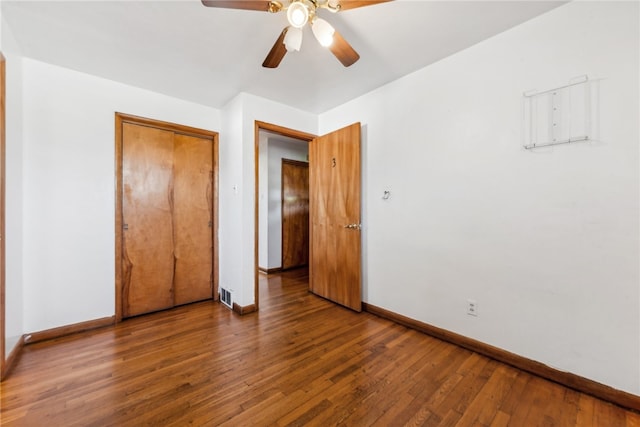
point(352, 4)
point(262, 5)
point(343, 50)
point(276, 53)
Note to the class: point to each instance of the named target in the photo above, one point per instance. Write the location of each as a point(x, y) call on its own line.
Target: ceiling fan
point(299, 14)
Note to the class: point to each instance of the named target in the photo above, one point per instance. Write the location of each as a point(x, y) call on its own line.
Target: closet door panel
point(148, 260)
point(192, 208)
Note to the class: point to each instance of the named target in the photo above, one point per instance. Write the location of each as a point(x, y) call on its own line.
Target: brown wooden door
point(334, 206)
point(147, 173)
point(167, 217)
point(192, 206)
point(295, 213)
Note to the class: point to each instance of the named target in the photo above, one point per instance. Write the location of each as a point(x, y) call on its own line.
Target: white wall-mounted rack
point(561, 115)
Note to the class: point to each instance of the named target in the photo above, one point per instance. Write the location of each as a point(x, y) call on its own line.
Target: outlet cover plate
point(472, 307)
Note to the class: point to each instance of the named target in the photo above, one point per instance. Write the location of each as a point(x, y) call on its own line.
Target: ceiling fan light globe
point(297, 14)
point(293, 39)
point(323, 31)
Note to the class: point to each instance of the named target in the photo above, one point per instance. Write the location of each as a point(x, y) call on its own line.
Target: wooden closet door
point(148, 261)
point(193, 219)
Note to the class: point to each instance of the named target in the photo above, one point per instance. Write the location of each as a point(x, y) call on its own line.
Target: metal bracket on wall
point(561, 115)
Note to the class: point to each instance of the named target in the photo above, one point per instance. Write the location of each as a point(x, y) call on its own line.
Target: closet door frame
point(120, 120)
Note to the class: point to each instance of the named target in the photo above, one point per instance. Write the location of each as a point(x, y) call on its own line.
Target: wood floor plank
point(585, 416)
point(569, 410)
point(633, 419)
point(487, 402)
point(299, 361)
point(500, 420)
point(406, 368)
point(608, 414)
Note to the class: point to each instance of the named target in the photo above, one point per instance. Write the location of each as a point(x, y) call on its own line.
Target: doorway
point(166, 215)
point(335, 264)
point(281, 160)
point(275, 146)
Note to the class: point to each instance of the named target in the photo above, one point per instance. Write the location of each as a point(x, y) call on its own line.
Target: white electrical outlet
point(472, 307)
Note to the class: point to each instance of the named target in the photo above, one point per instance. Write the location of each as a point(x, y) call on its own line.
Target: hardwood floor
point(300, 360)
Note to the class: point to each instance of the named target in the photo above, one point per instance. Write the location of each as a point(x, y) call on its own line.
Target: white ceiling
point(209, 55)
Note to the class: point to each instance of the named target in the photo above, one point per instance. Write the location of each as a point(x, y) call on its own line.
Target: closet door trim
point(120, 120)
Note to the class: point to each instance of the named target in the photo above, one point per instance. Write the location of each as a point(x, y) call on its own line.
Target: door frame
point(299, 164)
point(280, 130)
point(3, 359)
point(120, 120)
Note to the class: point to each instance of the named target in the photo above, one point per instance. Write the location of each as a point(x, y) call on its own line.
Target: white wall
point(237, 226)
point(546, 241)
point(230, 230)
point(69, 175)
point(14, 324)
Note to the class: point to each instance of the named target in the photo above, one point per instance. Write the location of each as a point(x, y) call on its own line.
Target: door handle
point(353, 226)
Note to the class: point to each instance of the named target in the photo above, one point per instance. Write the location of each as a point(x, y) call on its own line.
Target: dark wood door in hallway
point(300, 360)
point(295, 214)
